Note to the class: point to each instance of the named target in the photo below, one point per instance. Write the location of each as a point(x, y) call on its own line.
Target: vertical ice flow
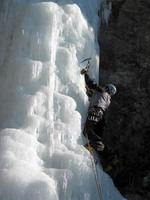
point(42, 100)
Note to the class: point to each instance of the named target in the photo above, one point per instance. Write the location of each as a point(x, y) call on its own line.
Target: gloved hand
point(88, 91)
point(84, 71)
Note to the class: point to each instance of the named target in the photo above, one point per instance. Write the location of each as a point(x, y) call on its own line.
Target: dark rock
point(125, 62)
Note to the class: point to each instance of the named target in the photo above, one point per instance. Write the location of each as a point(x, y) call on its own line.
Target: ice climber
point(99, 99)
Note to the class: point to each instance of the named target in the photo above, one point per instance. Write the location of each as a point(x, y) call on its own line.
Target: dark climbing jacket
point(98, 98)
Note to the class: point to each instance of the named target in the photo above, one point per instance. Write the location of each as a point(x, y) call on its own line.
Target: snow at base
point(43, 103)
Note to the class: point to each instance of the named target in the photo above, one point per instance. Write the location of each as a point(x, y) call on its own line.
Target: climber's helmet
point(111, 89)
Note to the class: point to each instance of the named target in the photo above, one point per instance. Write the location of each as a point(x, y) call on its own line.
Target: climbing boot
point(112, 166)
point(98, 146)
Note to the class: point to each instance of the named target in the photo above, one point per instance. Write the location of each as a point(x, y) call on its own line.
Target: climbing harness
point(95, 114)
point(94, 166)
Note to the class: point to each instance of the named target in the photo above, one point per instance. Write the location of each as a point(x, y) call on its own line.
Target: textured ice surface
point(43, 103)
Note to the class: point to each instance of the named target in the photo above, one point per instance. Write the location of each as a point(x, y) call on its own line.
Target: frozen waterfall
point(43, 104)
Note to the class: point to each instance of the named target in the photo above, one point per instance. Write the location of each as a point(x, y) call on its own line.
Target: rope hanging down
point(94, 167)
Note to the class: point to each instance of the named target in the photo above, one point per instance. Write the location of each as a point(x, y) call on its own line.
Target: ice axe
point(86, 69)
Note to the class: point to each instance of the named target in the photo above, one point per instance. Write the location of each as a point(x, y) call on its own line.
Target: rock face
point(125, 62)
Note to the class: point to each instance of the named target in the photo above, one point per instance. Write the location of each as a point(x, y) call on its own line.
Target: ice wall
point(43, 103)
